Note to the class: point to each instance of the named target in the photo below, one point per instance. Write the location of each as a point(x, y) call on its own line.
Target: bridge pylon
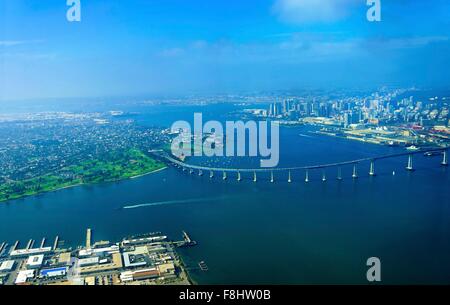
point(191, 171)
point(272, 180)
point(239, 178)
point(339, 176)
point(289, 178)
point(372, 168)
point(200, 173)
point(224, 175)
point(324, 176)
point(254, 176)
point(445, 159)
point(307, 176)
point(355, 171)
point(410, 167)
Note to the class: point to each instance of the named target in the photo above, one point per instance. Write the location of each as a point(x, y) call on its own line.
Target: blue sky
point(137, 47)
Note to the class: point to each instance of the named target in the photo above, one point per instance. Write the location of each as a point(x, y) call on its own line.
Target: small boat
point(432, 153)
point(412, 147)
point(392, 144)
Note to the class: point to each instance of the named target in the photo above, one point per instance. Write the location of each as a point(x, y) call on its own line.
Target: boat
point(432, 153)
point(392, 144)
point(412, 147)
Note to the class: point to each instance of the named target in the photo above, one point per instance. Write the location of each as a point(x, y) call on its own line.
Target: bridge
point(337, 165)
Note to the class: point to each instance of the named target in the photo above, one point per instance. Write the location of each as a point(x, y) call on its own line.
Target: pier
point(43, 242)
point(88, 238)
point(203, 266)
point(186, 242)
point(14, 247)
point(55, 244)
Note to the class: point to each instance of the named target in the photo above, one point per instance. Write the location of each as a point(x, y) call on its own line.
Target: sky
point(139, 47)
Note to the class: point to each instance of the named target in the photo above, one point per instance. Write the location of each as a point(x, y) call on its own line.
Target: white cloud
point(405, 43)
point(172, 52)
point(313, 11)
point(11, 43)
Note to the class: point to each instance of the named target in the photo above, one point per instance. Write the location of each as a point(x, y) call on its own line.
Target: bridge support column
point(372, 168)
point(307, 176)
point(339, 176)
point(272, 180)
point(355, 171)
point(410, 167)
point(191, 171)
point(254, 176)
point(211, 174)
point(239, 176)
point(224, 175)
point(200, 173)
point(324, 176)
point(445, 160)
point(289, 178)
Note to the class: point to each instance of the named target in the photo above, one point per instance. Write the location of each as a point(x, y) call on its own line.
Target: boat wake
point(305, 136)
point(194, 200)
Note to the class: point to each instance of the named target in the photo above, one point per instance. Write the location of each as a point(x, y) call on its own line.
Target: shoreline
point(83, 184)
point(142, 175)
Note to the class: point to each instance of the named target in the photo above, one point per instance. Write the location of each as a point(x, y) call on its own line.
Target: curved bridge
point(372, 160)
point(307, 169)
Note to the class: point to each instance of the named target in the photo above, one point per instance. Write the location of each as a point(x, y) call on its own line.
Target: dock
point(2, 246)
point(186, 242)
point(55, 244)
point(88, 238)
point(203, 266)
point(186, 237)
point(43, 243)
point(30, 244)
point(16, 244)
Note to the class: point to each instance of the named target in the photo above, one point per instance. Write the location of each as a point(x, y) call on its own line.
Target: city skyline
point(174, 47)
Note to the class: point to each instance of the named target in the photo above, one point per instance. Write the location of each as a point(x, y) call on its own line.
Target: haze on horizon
point(177, 46)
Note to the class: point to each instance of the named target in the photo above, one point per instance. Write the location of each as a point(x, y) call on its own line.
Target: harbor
point(136, 260)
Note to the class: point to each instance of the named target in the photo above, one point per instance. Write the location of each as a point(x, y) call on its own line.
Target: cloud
point(313, 11)
point(12, 43)
point(172, 52)
point(404, 42)
point(29, 56)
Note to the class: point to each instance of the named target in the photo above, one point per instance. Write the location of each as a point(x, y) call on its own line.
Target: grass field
point(112, 167)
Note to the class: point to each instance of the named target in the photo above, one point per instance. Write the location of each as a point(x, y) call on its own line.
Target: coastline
point(189, 279)
point(83, 184)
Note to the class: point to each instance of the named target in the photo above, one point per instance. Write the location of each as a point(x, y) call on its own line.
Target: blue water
point(258, 233)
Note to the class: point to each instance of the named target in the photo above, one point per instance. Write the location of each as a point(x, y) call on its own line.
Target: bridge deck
point(312, 167)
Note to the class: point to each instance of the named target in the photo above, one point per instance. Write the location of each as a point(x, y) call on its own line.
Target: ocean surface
point(264, 233)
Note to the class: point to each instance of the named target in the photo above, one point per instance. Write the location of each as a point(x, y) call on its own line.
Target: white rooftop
point(23, 276)
point(25, 252)
point(35, 260)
